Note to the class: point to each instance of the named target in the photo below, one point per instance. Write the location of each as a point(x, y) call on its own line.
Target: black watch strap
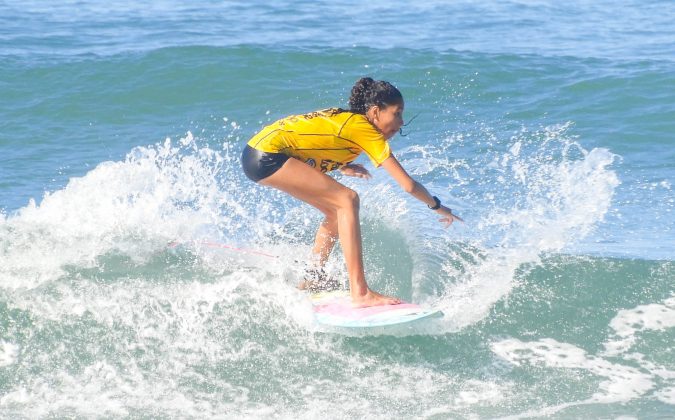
point(437, 205)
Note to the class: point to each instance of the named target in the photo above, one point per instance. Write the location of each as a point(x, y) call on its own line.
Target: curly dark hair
point(368, 92)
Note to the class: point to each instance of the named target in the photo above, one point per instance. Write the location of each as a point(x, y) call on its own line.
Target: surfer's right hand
point(447, 216)
point(372, 298)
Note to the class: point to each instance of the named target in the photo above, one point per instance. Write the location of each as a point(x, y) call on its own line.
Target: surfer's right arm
point(417, 190)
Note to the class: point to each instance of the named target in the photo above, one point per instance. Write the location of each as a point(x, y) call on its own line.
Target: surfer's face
point(388, 119)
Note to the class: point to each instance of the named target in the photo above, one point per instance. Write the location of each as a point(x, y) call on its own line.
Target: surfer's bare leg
point(325, 239)
point(332, 198)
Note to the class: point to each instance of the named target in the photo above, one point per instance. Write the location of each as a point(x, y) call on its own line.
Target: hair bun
point(364, 82)
point(360, 89)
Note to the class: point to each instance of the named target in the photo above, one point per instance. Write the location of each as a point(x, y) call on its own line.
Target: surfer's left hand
point(356, 170)
point(447, 216)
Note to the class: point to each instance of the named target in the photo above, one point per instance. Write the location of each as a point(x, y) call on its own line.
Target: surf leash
point(211, 244)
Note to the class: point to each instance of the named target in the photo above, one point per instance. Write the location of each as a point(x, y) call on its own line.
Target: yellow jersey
point(326, 139)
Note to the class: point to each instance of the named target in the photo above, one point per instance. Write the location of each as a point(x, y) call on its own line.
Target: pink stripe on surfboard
point(347, 311)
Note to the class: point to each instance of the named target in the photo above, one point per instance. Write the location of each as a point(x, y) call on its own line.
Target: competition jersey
point(326, 139)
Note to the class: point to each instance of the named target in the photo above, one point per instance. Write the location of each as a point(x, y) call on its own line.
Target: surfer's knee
point(348, 199)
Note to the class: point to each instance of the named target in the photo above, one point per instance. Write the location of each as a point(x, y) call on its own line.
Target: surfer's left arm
point(417, 190)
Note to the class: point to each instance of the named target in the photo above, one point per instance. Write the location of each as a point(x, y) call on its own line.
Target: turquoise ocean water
point(548, 127)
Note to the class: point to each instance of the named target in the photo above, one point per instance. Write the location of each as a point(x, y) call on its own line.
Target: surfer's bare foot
point(373, 299)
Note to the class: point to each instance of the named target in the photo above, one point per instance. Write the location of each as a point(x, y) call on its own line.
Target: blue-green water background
point(548, 127)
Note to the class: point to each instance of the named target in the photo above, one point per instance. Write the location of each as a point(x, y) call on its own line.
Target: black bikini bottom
point(258, 165)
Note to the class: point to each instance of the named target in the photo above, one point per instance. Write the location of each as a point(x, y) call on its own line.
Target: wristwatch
point(437, 205)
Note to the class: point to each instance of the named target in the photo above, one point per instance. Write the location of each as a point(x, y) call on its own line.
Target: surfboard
point(334, 309)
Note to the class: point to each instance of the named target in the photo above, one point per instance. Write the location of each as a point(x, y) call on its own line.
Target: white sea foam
point(135, 206)
point(623, 382)
point(666, 395)
point(629, 322)
point(9, 353)
point(171, 326)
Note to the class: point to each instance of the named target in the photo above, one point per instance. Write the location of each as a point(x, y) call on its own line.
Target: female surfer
point(294, 154)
